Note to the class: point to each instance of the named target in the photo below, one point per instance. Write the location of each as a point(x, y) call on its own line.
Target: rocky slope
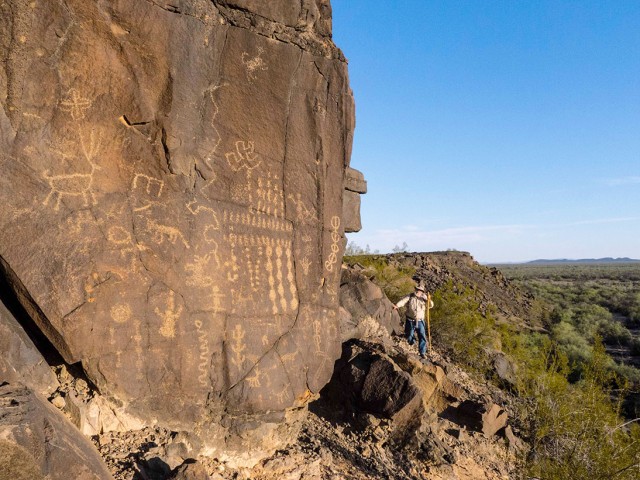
point(436, 268)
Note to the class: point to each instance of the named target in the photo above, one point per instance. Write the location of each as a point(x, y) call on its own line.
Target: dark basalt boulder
point(173, 179)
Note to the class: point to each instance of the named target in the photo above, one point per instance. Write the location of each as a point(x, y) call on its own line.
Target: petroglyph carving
point(253, 64)
point(152, 186)
point(270, 195)
point(204, 357)
point(198, 270)
point(75, 184)
point(304, 214)
point(283, 394)
point(305, 263)
point(75, 104)
point(254, 380)
point(335, 239)
point(243, 157)
point(137, 339)
point(210, 229)
point(208, 159)
point(126, 247)
point(76, 224)
point(238, 347)
point(159, 232)
point(121, 313)
point(169, 317)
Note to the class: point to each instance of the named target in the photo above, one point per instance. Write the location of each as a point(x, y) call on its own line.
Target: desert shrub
point(576, 431)
point(459, 327)
point(395, 280)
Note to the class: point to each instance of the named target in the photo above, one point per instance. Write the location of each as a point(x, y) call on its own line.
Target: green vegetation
point(395, 280)
point(570, 390)
point(581, 302)
point(460, 329)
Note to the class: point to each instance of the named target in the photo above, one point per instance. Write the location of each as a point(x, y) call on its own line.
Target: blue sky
point(509, 129)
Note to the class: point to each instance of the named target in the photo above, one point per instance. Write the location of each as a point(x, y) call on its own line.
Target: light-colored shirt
point(417, 306)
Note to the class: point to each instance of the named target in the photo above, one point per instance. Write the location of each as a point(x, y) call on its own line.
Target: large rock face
point(172, 185)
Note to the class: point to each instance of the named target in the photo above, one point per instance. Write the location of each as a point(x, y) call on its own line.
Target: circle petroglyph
point(121, 313)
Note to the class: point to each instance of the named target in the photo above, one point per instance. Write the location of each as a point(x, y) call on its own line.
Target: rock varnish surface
point(172, 190)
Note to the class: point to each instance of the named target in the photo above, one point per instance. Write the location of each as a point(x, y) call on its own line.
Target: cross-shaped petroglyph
point(169, 317)
point(75, 184)
point(243, 157)
point(75, 104)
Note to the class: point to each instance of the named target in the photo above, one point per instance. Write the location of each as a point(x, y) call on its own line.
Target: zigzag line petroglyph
point(204, 357)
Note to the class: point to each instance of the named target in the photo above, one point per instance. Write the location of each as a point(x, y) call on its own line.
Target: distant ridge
point(582, 261)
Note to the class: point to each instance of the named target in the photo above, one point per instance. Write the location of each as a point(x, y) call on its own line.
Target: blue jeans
point(410, 328)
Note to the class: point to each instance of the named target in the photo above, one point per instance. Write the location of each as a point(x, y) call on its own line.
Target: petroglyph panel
point(171, 209)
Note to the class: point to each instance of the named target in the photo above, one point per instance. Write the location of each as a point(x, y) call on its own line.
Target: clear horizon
point(509, 130)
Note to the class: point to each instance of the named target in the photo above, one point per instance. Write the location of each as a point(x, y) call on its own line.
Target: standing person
point(416, 307)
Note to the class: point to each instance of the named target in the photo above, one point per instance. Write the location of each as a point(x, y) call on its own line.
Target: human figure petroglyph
point(75, 184)
point(169, 316)
point(304, 214)
point(75, 104)
point(159, 232)
point(151, 185)
point(253, 64)
point(335, 238)
point(244, 157)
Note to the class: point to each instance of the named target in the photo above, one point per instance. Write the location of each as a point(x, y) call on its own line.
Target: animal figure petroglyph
point(253, 64)
point(159, 232)
point(75, 184)
point(243, 157)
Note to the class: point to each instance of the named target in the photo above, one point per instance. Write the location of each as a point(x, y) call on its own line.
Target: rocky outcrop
point(173, 182)
point(435, 269)
point(366, 310)
point(37, 442)
point(20, 360)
